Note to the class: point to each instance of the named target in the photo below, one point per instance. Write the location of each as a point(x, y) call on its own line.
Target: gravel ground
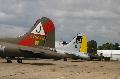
point(50, 69)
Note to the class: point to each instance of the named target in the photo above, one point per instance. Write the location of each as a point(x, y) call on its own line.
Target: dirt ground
point(50, 69)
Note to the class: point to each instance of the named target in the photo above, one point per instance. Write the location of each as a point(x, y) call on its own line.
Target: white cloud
point(11, 31)
point(99, 19)
point(11, 7)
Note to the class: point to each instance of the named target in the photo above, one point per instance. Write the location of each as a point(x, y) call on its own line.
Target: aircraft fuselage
point(13, 50)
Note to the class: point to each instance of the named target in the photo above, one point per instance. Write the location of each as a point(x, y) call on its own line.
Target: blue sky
point(98, 19)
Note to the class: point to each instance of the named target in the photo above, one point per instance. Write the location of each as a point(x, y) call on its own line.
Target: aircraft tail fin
point(74, 45)
point(83, 45)
point(41, 34)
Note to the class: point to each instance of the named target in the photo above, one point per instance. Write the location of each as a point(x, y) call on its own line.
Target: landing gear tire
point(19, 60)
point(65, 59)
point(9, 60)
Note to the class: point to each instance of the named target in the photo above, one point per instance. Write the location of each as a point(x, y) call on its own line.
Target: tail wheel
point(19, 60)
point(65, 59)
point(9, 60)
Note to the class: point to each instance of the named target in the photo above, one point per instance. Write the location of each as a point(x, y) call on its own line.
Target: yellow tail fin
point(83, 46)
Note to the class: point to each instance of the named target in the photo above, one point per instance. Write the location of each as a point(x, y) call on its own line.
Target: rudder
point(83, 46)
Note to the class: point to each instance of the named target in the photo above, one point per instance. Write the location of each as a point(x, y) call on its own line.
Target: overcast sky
point(98, 19)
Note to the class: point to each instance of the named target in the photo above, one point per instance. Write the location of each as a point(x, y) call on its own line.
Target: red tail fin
point(41, 34)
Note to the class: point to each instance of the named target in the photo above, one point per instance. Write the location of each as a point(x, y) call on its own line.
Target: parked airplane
point(77, 48)
point(39, 42)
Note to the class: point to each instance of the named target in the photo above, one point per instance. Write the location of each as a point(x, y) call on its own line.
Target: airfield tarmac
point(50, 69)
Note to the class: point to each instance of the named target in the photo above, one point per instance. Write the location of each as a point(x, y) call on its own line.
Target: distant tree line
point(92, 46)
point(109, 46)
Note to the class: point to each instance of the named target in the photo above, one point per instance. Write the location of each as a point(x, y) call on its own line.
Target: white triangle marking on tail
point(39, 29)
